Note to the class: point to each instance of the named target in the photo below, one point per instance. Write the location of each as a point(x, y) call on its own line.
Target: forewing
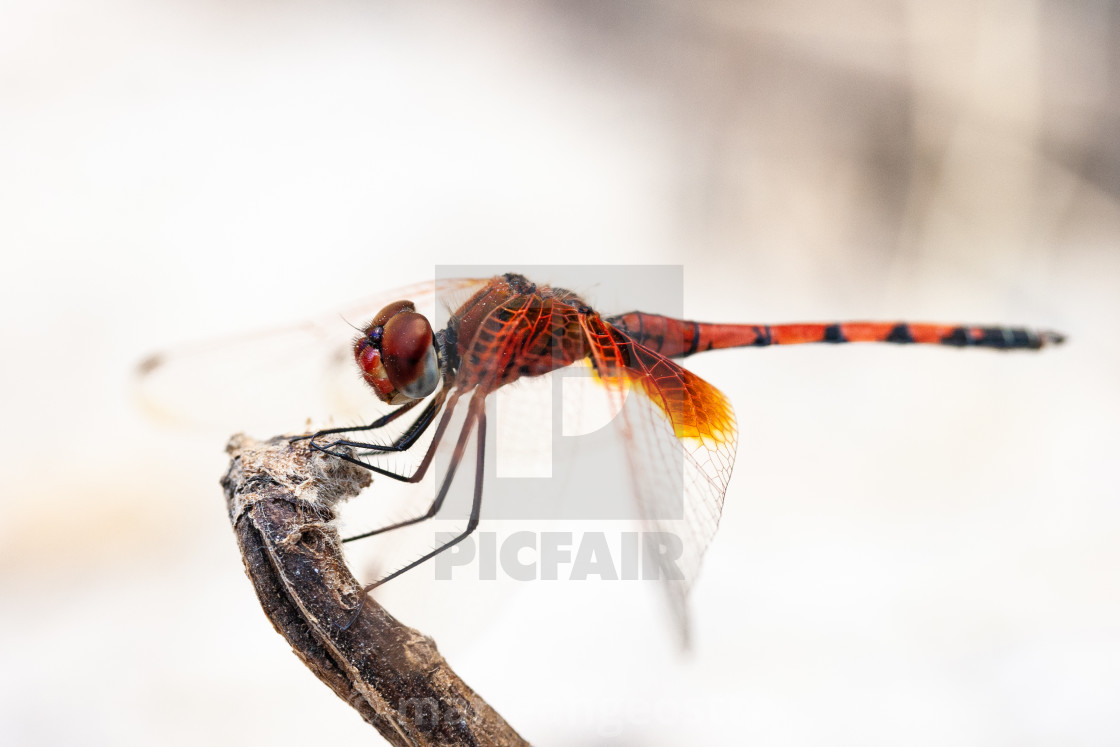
point(275, 380)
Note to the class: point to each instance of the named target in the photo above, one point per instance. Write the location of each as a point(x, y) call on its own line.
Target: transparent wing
point(682, 437)
point(679, 431)
point(275, 380)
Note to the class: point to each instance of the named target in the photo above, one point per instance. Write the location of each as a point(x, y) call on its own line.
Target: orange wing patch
point(696, 409)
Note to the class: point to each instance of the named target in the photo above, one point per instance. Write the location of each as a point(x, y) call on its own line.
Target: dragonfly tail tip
point(1049, 337)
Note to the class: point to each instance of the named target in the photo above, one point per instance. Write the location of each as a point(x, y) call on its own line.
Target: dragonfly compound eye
point(396, 354)
point(409, 356)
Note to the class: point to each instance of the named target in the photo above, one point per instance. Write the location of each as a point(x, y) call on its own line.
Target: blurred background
point(917, 545)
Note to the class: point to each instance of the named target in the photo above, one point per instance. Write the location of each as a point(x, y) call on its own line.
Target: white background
point(918, 546)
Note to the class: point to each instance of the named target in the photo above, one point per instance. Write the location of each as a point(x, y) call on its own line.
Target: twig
point(280, 499)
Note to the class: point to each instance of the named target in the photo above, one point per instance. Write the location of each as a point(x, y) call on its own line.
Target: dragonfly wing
point(682, 438)
point(274, 380)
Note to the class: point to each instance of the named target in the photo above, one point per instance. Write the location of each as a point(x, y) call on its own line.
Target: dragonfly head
point(397, 355)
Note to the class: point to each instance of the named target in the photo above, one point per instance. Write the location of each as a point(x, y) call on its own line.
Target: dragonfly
point(510, 328)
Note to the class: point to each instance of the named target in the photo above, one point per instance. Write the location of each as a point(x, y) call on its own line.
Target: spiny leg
point(476, 504)
point(442, 494)
point(403, 442)
point(381, 422)
point(406, 440)
point(477, 414)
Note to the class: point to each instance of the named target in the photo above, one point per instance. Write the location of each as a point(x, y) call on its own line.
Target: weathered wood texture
point(280, 499)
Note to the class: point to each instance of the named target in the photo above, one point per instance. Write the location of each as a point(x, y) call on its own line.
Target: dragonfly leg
point(381, 422)
point(403, 442)
point(477, 419)
point(476, 413)
point(406, 440)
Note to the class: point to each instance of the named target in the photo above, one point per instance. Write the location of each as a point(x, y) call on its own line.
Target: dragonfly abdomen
point(680, 338)
point(900, 333)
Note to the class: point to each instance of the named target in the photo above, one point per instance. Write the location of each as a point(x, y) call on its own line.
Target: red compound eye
point(397, 356)
point(391, 311)
point(408, 355)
